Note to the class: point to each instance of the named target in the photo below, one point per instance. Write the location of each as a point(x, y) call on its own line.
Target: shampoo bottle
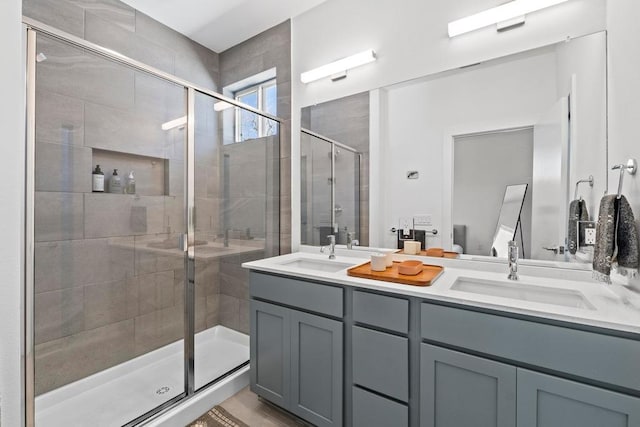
point(97, 184)
point(130, 187)
point(115, 183)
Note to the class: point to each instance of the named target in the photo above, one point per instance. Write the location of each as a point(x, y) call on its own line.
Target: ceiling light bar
point(338, 67)
point(498, 14)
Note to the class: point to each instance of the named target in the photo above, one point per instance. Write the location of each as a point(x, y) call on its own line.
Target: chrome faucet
point(332, 246)
point(351, 241)
point(512, 255)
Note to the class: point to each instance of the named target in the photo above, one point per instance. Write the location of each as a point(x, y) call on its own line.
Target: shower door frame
point(358, 155)
point(31, 29)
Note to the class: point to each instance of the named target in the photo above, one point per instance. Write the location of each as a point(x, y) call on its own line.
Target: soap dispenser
point(130, 187)
point(97, 184)
point(115, 183)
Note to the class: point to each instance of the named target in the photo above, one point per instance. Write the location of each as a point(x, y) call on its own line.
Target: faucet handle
point(332, 239)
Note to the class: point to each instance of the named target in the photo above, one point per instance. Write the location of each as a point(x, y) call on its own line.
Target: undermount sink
point(523, 292)
point(327, 266)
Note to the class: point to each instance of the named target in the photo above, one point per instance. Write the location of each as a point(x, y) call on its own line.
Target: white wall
point(410, 41)
point(11, 197)
point(421, 116)
point(624, 95)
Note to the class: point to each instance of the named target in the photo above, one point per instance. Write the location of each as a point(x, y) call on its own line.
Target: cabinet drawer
point(382, 311)
point(551, 347)
point(371, 410)
point(297, 293)
point(381, 362)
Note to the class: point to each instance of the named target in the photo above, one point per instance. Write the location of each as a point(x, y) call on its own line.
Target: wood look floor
point(246, 406)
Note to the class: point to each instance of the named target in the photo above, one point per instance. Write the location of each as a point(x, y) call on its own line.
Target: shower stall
point(330, 189)
point(135, 297)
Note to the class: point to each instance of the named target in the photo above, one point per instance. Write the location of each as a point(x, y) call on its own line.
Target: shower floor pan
point(124, 392)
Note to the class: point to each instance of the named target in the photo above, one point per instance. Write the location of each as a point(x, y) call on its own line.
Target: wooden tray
point(429, 274)
point(447, 254)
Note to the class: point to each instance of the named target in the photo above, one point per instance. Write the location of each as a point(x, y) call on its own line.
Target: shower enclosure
point(330, 189)
point(135, 298)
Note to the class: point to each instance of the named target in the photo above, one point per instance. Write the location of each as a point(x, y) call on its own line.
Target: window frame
point(262, 121)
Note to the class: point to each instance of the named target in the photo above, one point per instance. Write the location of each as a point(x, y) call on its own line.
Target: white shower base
point(120, 394)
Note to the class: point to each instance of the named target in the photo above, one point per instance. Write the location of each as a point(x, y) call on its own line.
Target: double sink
point(513, 290)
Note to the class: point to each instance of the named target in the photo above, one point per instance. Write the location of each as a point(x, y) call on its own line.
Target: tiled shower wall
point(346, 120)
point(94, 290)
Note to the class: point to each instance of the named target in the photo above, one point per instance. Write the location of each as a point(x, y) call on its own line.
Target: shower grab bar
point(631, 167)
point(589, 180)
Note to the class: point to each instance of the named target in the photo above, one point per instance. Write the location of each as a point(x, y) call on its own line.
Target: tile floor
point(246, 406)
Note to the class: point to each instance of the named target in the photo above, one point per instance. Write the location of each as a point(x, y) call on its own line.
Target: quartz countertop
point(615, 307)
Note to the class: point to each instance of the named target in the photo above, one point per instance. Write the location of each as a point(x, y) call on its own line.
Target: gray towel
point(616, 239)
point(577, 212)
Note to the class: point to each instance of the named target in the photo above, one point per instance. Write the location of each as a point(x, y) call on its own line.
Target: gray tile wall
point(270, 49)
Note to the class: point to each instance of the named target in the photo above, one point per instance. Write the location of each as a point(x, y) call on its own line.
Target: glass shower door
point(347, 193)
point(108, 268)
point(236, 221)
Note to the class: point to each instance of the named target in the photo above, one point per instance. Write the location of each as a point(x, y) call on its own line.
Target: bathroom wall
point(346, 120)
point(252, 168)
point(330, 31)
point(624, 96)
point(11, 224)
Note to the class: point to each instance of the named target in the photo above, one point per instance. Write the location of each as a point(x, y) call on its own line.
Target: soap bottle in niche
point(115, 183)
point(97, 185)
point(130, 186)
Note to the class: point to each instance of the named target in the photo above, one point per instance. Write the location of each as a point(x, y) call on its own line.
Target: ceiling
point(221, 24)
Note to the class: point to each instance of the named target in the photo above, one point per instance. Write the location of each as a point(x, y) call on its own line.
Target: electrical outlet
point(405, 224)
point(590, 236)
point(423, 219)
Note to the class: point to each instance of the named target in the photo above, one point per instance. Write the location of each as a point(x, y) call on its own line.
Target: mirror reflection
point(438, 152)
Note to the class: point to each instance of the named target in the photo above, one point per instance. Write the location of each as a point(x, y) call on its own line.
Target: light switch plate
point(423, 219)
point(406, 225)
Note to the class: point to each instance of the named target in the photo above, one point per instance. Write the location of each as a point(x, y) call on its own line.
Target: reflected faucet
point(351, 241)
point(332, 246)
point(512, 255)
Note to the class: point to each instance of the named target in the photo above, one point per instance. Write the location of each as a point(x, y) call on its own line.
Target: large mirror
point(438, 152)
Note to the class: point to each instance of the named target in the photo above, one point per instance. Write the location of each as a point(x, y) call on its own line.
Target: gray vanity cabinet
point(547, 401)
point(458, 389)
point(270, 352)
point(316, 369)
point(297, 356)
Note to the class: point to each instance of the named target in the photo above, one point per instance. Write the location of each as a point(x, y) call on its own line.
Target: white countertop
point(614, 306)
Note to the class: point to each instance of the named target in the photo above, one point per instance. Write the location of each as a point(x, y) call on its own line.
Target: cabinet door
point(316, 369)
point(270, 352)
point(457, 389)
point(547, 401)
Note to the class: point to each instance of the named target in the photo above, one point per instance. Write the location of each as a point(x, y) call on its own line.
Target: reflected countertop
point(550, 293)
point(205, 250)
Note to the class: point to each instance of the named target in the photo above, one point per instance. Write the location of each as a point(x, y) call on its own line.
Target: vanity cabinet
point(457, 389)
point(296, 356)
point(548, 401)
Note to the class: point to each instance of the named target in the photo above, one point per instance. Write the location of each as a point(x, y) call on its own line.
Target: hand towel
point(616, 239)
point(577, 212)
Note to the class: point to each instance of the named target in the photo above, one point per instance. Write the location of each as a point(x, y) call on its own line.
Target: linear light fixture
point(498, 14)
point(339, 67)
point(179, 122)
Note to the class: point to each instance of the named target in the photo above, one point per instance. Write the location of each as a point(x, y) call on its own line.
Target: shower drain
point(163, 390)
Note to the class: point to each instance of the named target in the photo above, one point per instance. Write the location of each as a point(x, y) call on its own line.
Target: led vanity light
point(339, 67)
point(505, 12)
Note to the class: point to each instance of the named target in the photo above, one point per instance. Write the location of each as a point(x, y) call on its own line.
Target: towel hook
point(589, 180)
point(631, 167)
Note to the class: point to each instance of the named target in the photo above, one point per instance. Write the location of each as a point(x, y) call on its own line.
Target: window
point(263, 97)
